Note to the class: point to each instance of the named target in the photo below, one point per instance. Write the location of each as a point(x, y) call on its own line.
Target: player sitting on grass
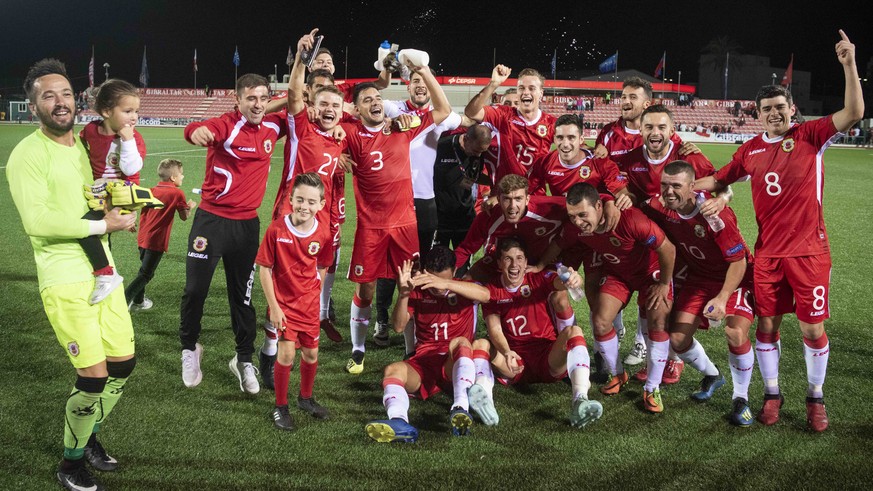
point(288, 258)
point(116, 151)
point(446, 356)
point(527, 345)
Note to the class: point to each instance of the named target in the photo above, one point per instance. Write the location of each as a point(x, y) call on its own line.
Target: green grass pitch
point(215, 437)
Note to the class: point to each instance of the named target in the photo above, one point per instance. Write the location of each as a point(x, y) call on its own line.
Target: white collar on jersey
point(776, 139)
point(584, 154)
point(693, 213)
point(661, 161)
point(530, 123)
point(300, 233)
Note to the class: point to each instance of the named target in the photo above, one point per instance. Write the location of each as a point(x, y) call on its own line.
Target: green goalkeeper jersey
point(46, 179)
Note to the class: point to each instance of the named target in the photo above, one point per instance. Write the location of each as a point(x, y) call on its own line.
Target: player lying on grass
point(446, 355)
point(526, 345)
point(288, 260)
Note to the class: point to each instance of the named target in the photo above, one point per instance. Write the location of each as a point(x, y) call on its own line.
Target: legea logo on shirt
point(246, 149)
point(284, 240)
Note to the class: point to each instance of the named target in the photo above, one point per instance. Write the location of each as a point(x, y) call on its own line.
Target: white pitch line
point(177, 151)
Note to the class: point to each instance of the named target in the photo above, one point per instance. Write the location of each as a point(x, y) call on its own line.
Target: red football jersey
point(543, 219)
point(619, 139)
point(603, 174)
point(787, 175)
point(308, 149)
point(644, 174)
point(338, 200)
point(438, 320)
point(519, 141)
point(383, 177)
point(107, 155)
point(628, 251)
point(293, 256)
point(523, 311)
point(706, 252)
point(156, 224)
point(237, 163)
point(348, 91)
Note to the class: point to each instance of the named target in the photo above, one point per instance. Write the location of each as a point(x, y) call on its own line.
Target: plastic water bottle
point(715, 223)
point(384, 49)
point(564, 274)
point(197, 191)
point(413, 57)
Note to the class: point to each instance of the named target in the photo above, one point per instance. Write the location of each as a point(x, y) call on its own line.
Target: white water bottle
point(715, 223)
point(564, 274)
point(384, 49)
point(413, 57)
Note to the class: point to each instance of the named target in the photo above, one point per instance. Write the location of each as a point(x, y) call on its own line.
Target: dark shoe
point(99, 459)
point(266, 363)
point(313, 408)
point(77, 479)
point(282, 418)
point(330, 329)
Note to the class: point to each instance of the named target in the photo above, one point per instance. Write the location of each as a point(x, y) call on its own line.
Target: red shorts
point(696, 293)
point(430, 366)
point(614, 286)
point(302, 336)
point(799, 285)
point(378, 253)
point(535, 358)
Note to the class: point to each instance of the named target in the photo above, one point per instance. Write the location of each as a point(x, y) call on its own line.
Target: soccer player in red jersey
point(288, 260)
point(523, 133)
point(155, 225)
point(718, 285)
point(311, 148)
point(386, 232)
point(240, 144)
point(443, 312)
point(636, 257)
point(526, 345)
point(573, 162)
point(533, 219)
point(793, 262)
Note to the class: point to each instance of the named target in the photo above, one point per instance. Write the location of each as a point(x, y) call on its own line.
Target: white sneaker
point(145, 305)
point(637, 355)
point(104, 284)
point(247, 375)
point(482, 404)
point(380, 335)
point(191, 374)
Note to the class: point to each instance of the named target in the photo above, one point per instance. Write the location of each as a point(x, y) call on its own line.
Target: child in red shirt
point(288, 260)
point(154, 230)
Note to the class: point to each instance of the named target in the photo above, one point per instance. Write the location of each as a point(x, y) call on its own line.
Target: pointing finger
point(843, 35)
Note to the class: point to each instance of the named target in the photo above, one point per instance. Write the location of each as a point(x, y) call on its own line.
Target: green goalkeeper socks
point(80, 416)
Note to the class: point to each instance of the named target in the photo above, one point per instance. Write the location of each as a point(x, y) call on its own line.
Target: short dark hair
point(46, 66)
point(479, 132)
point(770, 91)
point(167, 168)
point(321, 72)
point(638, 83)
point(659, 109)
point(309, 179)
point(360, 88)
point(322, 51)
point(569, 119)
point(439, 259)
point(530, 72)
point(582, 191)
point(110, 92)
point(512, 182)
point(250, 80)
point(506, 243)
point(678, 167)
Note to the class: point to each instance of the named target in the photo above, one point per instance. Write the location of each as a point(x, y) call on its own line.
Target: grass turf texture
point(214, 437)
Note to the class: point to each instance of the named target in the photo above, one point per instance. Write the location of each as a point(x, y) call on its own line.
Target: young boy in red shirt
point(288, 260)
point(154, 230)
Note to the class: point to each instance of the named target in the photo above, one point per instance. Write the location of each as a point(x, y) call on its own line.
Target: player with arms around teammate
point(386, 232)
point(793, 260)
point(46, 173)
point(718, 285)
point(636, 257)
point(239, 146)
point(446, 356)
point(288, 260)
point(526, 345)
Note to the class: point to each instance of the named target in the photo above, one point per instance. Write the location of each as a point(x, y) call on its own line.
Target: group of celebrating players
point(640, 212)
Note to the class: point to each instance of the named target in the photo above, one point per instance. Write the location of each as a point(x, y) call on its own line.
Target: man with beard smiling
point(386, 232)
point(240, 145)
point(46, 172)
point(793, 261)
point(422, 155)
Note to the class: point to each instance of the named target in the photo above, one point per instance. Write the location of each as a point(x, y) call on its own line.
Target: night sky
point(460, 36)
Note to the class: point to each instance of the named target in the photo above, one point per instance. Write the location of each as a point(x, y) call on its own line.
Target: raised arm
point(853, 109)
point(441, 106)
point(400, 314)
point(297, 82)
point(475, 109)
point(466, 289)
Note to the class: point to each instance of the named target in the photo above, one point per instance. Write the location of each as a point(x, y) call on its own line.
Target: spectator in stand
point(580, 105)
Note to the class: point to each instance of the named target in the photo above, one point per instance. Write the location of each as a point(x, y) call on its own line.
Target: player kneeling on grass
point(526, 344)
point(288, 258)
point(446, 356)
